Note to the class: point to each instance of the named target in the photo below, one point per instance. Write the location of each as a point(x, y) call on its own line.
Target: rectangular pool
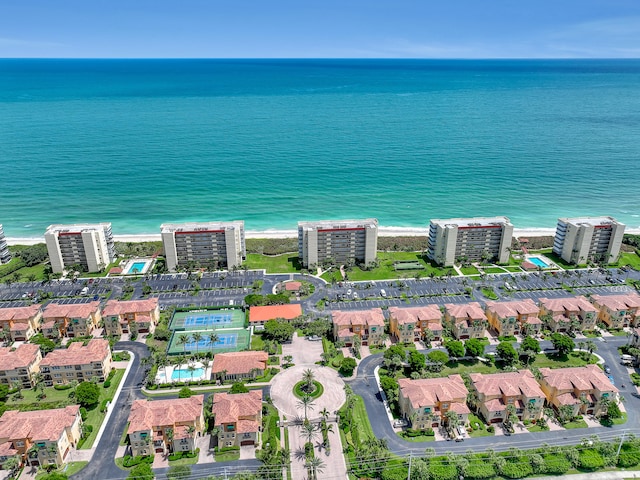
point(538, 262)
point(137, 267)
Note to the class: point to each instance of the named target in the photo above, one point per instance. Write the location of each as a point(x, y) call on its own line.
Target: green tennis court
point(229, 340)
point(207, 319)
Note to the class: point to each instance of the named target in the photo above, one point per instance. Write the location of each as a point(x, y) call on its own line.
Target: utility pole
point(624, 433)
point(409, 471)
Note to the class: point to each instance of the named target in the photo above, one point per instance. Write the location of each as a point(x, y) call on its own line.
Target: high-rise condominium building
point(202, 243)
point(584, 239)
point(88, 245)
point(5, 256)
point(473, 239)
point(338, 241)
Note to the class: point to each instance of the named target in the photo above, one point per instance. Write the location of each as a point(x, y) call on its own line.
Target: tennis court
point(228, 341)
point(203, 319)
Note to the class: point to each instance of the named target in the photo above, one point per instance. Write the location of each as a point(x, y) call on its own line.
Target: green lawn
point(420, 438)
point(94, 416)
point(536, 428)
point(489, 293)
point(575, 424)
point(24, 272)
point(481, 430)
point(361, 420)
point(513, 269)
point(469, 270)
point(493, 270)
point(69, 469)
point(287, 263)
point(467, 366)
point(221, 457)
point(256, 342)
point(630, 258)
point(193, 460)
point(574, 359)
point(385, 269)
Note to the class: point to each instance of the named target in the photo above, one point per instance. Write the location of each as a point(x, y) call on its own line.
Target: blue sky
point(327, 28)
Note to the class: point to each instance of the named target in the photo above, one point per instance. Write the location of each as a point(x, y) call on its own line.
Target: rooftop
point(339, 224)
point(513, 309)
point(234, 363)
point(19, 314)
point(147, 414)
point(117, 307)
point(578, 378)
point(78, 310)
point(77, 354)
point(595, 221)
point(372, 317)
point(427, 392)
point(570, 304)
point(471, 222)
point(465, 311)
point(265, 313)
point(77, 227)
point(39, 424)
point(243, 409)
point(507, 384)
point(430, 313)
point(21, 357)
point(201, 227)
point(618, 302)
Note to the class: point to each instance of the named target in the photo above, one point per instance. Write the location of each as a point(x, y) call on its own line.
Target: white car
point(383, 293)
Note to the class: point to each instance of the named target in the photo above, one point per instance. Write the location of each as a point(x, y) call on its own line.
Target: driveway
point(303, 351)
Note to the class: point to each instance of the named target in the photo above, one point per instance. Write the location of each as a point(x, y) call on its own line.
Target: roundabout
point(283, 391)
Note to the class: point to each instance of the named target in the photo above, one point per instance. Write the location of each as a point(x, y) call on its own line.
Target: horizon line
point(331, 58)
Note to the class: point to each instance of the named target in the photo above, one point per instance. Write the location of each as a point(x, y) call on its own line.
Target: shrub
point(87, 394)
point(62, 387)
point(629, 457)
point(490, 429)
point(516, 470)
point(129, 461)
point(185, 392)
point(479, 470)
point(347, 366)
point(107, 383)
point(443, 472)
point(591, 460)
point(83, 413)
point(103, 404)
point(556, 464)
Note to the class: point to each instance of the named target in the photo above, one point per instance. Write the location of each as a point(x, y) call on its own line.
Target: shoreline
point(275, 234)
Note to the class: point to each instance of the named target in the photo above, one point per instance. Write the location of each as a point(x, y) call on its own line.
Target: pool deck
point(169, 369)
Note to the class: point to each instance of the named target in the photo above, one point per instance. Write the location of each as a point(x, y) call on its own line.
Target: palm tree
point(314, 465)
point(308, 377)
point(183, 339)
point(309, 431)
point(213, 338)
point(191, 369)
point(191, 431)
point(324, 413)
point(196, 337)
point(306, 402)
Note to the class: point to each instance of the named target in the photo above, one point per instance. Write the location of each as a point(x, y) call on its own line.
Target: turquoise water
point(137, 267)
point(274, 142)
point(184, 374)
point(538, 262)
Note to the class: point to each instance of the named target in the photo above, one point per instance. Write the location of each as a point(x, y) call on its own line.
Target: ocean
point(272, 142)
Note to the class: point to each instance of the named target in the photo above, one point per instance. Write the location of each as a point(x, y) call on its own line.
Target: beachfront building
point(20, 323)
point(513, 318)
point(366, 324)
point(412, 324)
point(618, 311)
point(214, 244)
point(165, 426)
point(469, 239)
point(467, 320)
point(70, 320)
point(337, 242)
point(259, 315)
point(87, 246)
point(493, 393)
point(238, 418)
point(133, 316)
point(588, 239)
point(77, 362)
point(40, 437)
point(20, 365)
point(583, 388)
point(425, 402)
point(568, 314)
point(238, 366)
point(5, 256)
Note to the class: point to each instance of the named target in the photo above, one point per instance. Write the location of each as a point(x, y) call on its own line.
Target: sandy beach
point(383, 232)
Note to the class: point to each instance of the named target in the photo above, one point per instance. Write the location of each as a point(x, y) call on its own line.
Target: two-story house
point(20, 323)
point(583, 388)
point(41, 437)
point(71, 320)
point(366, 324)
point(495, 392)
point(467, 320)
point(77, 362)
point(412, 324)
point(618, 311)
point(20, 365)
point(513, 318)
point(259, 315)
point(133, 316)
point(425, 402)
point(238, 418)
point(566, 314)
point(165, 426)
point(235, 366)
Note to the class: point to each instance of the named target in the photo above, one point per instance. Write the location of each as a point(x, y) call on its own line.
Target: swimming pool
point(185, 374)
point(538, 262)
point(136, 267)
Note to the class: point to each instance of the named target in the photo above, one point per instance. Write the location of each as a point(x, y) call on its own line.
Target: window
point(19, 443)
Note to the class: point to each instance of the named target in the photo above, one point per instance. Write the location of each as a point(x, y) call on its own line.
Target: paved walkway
point(302, 350)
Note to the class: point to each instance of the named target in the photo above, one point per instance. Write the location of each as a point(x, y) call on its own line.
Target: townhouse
point(133, 316)
point(494, 393)
point(467, 320)
point(165, 426)
point(582, 388)
point(513, 318)
point(20, 323)
point(238, 418)
point(366, 324)
point(566, 314)
point(234, 366)
point(70, 320)
point(41, 437)
point(617, 311)
point(415, 323)
point(426, 402)
point(20, 365)
point(77, 362)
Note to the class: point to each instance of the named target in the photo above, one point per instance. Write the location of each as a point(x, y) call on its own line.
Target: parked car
point(399, 423)
point(383, 292)
point(607, 369)
point(314, 338)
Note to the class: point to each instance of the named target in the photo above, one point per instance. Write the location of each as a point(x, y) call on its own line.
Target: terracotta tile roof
point(6, 450)
point(244, 409)
point(77, 354)
point(571, 304)
point(495, 405)
point(618, 302)
point(578, 378)
point(465, 311)
point(513, 309)
point(19, 327)
point(345, 333)
point(48, 325)
point(429, 313)
point(507, 384)
point(533, 321)
point(115, 270)
point(117, 307)
point(292, 286)
point(372, 317)
point(22, 357)
point(150, 414)
point(143, 319)
point(567, 399)
point(428, 392)
point(19, 313)
point(459, 408)
point(39, 424)
point(235, 363)
point(78, 310)
point(436, 327)
point(265, 313)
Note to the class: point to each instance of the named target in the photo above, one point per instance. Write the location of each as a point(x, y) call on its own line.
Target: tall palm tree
point(183, 339)
point(308, 377)
point(191, 431)
point(315, 465)
point(309, 431)
point(324, 413)
point(306, 402)
point(213, 338)
point(197, 337)
point(191, 369)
